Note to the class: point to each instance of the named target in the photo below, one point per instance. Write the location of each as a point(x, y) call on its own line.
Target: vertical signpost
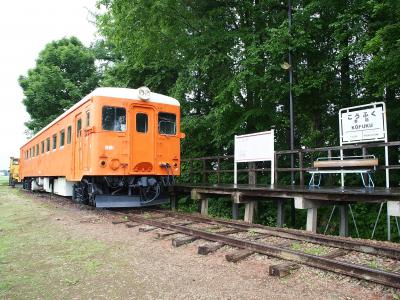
point(365, 124)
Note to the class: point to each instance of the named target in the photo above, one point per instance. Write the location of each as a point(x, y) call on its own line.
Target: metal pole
point(291, 97)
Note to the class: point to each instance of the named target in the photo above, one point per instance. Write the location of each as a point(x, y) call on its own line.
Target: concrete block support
point(344, 220)
point(280, 219)
point(173, 202)
point(204, 207)
point(312, 211)
point(312, 219)
point(250, 211)
point(235, 211)
point(203, 201)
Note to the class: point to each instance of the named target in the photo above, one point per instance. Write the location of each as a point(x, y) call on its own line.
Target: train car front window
point(166, 123)
point(114, 118)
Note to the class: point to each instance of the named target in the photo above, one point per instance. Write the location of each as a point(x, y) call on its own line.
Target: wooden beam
point(209, 248)
point(147, 228)
point(161, 235)
point(238, 255)
point(183, 241)
point(283, 269)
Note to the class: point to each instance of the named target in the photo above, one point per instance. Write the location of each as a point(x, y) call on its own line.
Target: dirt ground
point(51, 248)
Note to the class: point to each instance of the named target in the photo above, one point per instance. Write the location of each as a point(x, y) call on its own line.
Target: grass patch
point(38, 260)
point(3, 180)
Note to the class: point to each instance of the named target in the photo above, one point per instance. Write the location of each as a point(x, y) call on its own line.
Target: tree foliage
point(65, 71)
point(223, 60)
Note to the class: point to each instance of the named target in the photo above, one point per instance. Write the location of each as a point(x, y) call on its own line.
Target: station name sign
point(364, 123)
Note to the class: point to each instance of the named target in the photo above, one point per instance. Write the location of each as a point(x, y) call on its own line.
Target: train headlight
point(144, 93)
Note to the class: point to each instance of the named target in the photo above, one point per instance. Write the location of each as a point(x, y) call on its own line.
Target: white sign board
point(255, 147)
point(364, 123)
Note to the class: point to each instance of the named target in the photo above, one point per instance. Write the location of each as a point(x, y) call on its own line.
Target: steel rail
point(343, 243)
point(382, 277)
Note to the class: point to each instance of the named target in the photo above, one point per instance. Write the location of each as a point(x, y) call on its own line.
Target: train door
point(142, 141)
point(86, 137)
point(78, 146)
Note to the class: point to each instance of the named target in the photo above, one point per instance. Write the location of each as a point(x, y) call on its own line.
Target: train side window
point(78, 127)
point(42, 146)
point(48, 145)
point(166, 123)
point(88, 118)
point(69, 134)
point(62, 138)
point(141, 122)
point(37, 150)
point(113, 118)
point(54, 141)
point(33, 151)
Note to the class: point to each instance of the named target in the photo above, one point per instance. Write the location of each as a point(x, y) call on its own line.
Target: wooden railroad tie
point(161, 235)
point(119, 222)
point(283, 269)
point(286, 268)
point(336, 253)
point(147, 228)
point(230, 231)
point(131, 224)
point(183, 240)
point(238, 255)
point(209, 248)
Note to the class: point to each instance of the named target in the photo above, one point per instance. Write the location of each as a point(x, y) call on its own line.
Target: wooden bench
point(363, 165)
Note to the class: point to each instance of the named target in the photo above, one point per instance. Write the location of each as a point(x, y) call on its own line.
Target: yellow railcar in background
point(13, 172)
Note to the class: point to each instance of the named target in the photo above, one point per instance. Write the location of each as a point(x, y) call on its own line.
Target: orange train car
point(116, 147)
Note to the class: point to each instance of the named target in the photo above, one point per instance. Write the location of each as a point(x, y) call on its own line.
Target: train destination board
point(363, 123)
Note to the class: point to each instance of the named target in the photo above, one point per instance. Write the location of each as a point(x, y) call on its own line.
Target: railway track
point(328, 253)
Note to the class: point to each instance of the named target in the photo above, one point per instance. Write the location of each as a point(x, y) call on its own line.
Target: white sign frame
point(359, 124)
point(245, 144)
point(382, 136)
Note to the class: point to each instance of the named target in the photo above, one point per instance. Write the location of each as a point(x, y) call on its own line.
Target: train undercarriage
point(107, 191)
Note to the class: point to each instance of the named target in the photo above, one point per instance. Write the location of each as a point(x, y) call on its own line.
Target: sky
point(25, 28)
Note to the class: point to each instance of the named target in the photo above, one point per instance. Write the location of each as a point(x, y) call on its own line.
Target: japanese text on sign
point(363, 125)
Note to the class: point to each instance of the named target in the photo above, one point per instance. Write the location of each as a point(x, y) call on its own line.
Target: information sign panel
point(255, 147)
point(365, 123)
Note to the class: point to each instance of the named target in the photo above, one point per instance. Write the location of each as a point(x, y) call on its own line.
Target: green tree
point(65, 72)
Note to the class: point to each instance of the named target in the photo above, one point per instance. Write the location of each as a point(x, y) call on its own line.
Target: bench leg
point(311, 183)
point(370, 181)
point(312, 180)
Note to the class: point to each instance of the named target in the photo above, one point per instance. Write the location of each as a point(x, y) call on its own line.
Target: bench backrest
point(347, 163)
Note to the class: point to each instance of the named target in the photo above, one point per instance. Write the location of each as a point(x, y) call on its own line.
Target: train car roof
point(112, 92)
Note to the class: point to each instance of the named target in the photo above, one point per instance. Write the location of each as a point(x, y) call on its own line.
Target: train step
point(110, 201)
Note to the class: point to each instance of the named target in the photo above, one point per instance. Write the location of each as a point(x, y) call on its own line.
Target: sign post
point(363, 124)
point(366, 123)
point(255, 147)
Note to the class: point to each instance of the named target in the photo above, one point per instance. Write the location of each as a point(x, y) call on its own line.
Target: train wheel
point(80, 193)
